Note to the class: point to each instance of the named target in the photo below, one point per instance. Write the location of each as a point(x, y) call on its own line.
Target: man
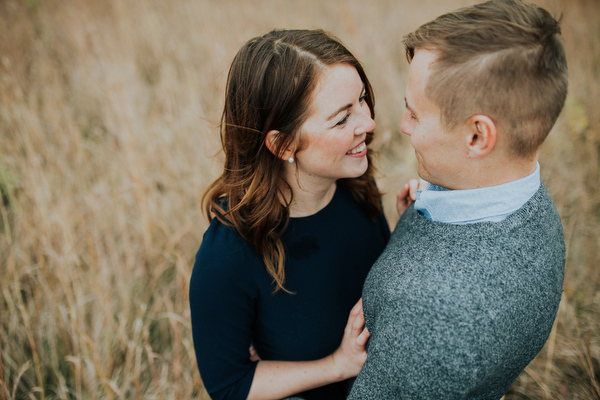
point(466, 293)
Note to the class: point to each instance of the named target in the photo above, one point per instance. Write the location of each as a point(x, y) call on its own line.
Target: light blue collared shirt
point(469, 206)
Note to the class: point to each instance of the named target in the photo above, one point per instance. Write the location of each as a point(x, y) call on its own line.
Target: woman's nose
point(367, 123)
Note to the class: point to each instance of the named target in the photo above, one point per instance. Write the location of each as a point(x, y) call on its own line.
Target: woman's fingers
point(362, 339)
point(362, 332)
point(413, 186)
point(359, 322)
point(357, 309)
point(401, 199)
point(403, 192)
point(408, 194)
point(253, 354)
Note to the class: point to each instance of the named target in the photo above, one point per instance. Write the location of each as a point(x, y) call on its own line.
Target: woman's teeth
point(361, 147)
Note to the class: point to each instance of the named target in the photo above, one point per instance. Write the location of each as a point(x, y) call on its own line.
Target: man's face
point(437, 149)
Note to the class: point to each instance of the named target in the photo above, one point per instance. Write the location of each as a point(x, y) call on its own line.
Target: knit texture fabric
point(458, 311)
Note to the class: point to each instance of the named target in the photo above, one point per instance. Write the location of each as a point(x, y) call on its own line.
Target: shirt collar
point(493, 203)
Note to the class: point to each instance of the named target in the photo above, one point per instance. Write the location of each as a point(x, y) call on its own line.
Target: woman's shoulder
point(226, 266)
point(220, 233)
point(224, 252)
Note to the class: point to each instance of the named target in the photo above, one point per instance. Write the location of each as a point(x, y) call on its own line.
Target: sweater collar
point(491, 204)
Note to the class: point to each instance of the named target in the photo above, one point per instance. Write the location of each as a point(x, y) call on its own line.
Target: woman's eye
point(343, 120)
point(362, 98)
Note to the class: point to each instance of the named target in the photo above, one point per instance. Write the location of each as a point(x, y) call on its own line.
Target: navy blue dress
point(328, 256)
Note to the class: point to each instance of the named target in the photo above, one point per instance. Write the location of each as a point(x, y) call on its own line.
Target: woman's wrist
point(342, 367)
point(277, 379)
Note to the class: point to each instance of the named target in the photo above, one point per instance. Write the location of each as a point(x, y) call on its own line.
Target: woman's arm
point(277, 379)
point(222, 308)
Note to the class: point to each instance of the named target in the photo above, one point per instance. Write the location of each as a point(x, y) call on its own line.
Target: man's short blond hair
point(502, 58)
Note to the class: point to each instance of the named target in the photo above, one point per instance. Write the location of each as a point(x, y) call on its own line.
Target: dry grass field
point(109, 116)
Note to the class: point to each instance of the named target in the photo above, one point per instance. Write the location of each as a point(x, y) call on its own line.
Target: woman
point(296, 223)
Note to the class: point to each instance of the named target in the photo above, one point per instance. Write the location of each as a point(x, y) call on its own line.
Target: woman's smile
point(358, 151)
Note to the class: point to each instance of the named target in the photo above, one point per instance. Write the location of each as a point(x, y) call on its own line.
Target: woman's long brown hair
point(270, 87)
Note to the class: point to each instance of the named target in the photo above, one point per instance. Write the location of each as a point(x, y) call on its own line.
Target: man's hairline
point(434, 48)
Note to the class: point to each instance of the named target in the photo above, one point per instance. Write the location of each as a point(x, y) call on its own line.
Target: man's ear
point(271, 142)
point(482, 135)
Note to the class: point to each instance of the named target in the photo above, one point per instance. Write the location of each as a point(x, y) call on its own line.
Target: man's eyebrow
point(409, 108)
point(347, 106)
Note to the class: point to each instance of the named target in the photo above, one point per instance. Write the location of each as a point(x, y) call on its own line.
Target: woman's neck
point(309, 200)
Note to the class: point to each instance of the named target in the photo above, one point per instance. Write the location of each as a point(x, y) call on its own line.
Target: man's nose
point(405, 125)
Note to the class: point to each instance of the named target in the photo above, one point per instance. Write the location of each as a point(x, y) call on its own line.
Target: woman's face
point(334, 134)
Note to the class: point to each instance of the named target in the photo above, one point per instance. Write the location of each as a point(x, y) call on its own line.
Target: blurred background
point(109, 114)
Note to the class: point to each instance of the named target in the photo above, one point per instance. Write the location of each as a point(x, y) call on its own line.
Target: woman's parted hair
point(270, 87)
point(502, 58)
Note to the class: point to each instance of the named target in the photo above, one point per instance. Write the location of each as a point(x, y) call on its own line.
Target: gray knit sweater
point(458, 311)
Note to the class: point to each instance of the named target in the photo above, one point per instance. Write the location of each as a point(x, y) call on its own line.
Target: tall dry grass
point(108, 136)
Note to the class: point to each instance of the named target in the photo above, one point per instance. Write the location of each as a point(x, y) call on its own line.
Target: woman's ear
point(271, 142)
point(482, 135)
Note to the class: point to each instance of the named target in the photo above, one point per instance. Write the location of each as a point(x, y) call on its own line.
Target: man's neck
point(483, 204)
point(491, 174)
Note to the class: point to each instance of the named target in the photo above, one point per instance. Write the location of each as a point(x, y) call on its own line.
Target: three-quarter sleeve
point(222, 298)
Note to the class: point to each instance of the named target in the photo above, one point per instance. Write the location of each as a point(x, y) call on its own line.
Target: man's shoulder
point(431, 253)
point(538, 218)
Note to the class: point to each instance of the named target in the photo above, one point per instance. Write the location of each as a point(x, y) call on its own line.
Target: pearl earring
point(291, 160)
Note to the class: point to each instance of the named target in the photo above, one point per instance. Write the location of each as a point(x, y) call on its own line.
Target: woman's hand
point(408, 194)
point(277, 379)
point(349, 358)
point(253, 354)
